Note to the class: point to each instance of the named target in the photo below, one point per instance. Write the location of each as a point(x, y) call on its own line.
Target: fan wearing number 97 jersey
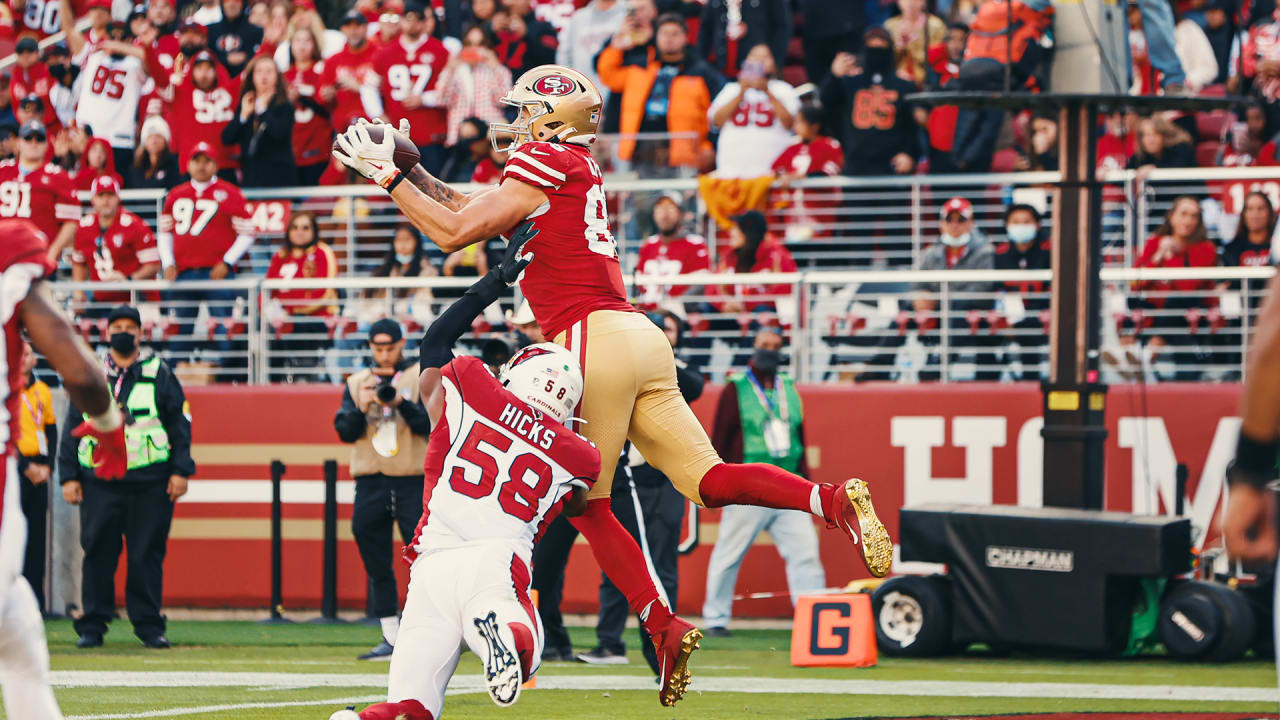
point(204, 223)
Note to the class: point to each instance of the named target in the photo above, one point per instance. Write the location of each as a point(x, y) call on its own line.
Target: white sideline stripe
point(336, 703)
point(310, 492)
point(467, 683)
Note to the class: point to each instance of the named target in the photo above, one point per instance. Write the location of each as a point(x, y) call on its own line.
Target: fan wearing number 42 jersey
point(500, 465)
point(575, 290)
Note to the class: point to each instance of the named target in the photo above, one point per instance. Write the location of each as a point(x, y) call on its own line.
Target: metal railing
point(887, 325)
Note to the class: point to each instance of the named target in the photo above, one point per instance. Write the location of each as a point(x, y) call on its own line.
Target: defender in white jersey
point(500, 466)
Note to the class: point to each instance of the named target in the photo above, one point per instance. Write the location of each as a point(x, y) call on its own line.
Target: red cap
point(104, 184)
point(200, 148)
point(190, 26)
point(958, 205)
point(307, 4)
point(104, 4)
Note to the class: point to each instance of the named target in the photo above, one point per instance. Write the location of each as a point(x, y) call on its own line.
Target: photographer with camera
point(388, 427)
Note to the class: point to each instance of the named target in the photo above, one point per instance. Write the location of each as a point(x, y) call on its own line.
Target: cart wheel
point(1205, 621)
point(913, 615)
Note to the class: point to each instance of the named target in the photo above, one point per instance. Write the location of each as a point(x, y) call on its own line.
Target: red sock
point(403, 710)
point(759, 484)
point(620, 558)
point(524, 648)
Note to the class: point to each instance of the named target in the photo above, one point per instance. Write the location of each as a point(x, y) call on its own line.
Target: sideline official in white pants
point(759, 419)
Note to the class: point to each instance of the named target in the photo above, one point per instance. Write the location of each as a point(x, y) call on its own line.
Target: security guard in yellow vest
point(388, 428)
point(137, 508)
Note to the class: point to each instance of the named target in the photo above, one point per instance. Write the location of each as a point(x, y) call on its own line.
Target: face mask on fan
point(955, 240)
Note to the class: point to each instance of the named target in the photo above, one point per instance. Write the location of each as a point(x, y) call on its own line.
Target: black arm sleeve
point(415, 416)
point(350, 421)
point(176, 424)
point(68, 464)
point(235, 131)
point(690, 382)
point(436, 348)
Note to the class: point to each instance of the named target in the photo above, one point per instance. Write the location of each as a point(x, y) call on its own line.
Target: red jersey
point(771, 256)
point(813, 209)
point(202, 225)
point(115, 252)
point(22, 263)
point(412, 71)
point(45, 196)
point(200, 116)
point(34, 80)
point(356, 65)
point(42, 18)
point(487, 172)
point(576, 271)
point(677, 256)
point(822, 156)
point(1201, 254)
point(312, 131)
point(496, 469)
point(318, 261)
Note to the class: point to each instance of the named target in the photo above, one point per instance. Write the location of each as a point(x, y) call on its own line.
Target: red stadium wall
point(964, 443)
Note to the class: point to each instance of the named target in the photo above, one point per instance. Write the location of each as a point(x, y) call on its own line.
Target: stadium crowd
point(203, 98)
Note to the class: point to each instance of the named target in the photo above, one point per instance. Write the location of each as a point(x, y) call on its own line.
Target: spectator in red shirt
point(312, 102)
point(752, 249)
point(30, 77)
point(524, 42)
point(97, 160)
point(297, 315)
point(112, 245)
point(1181, 241)
point(204, 103)
point(350, 73)
point(670, 252)
point(410, 71)
point(813, 155)
point(489, 170)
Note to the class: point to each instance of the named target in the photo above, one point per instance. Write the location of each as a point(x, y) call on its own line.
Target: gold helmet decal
point(556, 103)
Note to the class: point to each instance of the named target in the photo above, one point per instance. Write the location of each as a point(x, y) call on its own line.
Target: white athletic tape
point(467, 683)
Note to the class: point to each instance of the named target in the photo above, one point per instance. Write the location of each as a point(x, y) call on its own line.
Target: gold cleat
point(851, 505)
point(676, 683)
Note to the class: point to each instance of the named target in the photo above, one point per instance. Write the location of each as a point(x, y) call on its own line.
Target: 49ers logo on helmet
point(554, 85)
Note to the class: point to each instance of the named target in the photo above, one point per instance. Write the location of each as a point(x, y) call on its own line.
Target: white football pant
point(449, 590)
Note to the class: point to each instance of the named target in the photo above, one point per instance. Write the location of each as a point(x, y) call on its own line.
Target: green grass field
point(241, 670)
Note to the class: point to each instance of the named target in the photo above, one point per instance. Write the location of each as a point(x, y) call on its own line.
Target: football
point(406, 154)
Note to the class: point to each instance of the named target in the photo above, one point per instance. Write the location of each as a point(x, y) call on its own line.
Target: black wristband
point(1255, 461)
point(392, 185)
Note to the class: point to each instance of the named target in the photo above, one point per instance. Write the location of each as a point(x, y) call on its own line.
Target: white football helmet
point(546, 376)
point(563, 106)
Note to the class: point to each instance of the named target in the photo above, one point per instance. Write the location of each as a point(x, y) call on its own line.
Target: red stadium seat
point(1209, 124)
point(1207, 153)
point(1004, 161)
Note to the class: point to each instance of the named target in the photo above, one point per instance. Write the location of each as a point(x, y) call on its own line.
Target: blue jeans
point(794, 536)
point(1157, 25)
point(187, 307)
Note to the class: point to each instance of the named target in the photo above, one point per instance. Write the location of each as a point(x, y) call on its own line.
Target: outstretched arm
point(1249, 525)
point(53, 336)
point(481, 217)
point(436, 349)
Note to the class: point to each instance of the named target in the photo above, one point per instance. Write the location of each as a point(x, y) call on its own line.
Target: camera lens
point(386, 393)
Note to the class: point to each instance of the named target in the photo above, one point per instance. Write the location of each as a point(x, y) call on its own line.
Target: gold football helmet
point(557, 104)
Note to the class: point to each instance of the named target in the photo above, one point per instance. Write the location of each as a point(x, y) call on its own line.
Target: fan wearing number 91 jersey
point(496, 466)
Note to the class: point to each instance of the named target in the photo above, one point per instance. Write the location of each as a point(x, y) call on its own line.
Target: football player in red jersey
point(670, 252)
point(577, 295)
point(32, 189)
point(28, 304)
point(112, 244)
